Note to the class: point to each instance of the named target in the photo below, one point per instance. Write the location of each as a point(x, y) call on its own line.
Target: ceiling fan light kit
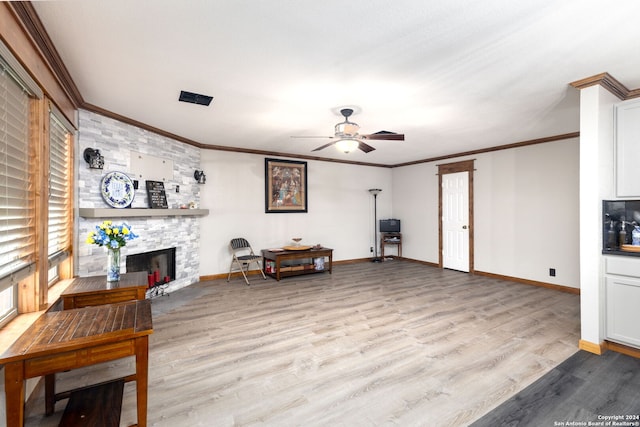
point(347, 139)
point(347, 145)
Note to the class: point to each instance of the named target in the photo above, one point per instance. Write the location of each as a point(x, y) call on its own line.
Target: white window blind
point(59, 192)
point(16, 197)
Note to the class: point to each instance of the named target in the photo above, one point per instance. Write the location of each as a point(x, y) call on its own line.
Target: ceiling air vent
point(194, 98)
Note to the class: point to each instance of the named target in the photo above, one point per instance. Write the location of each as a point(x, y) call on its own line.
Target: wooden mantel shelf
point(138, 212)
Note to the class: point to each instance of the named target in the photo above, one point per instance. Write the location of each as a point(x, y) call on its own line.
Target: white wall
point(415, 204)
point(526, 209)
point(340, 209)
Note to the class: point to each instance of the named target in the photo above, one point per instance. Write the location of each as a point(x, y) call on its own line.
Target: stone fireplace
point(162, 228)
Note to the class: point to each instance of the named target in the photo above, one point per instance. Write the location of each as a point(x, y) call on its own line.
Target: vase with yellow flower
point(113, 237)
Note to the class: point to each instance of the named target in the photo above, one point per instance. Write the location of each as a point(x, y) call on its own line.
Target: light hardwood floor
point(397, 343)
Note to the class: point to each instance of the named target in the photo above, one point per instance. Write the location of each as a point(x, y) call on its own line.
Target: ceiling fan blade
point(324, 146)
point(365, 147)
point(385, 135)
point(306, 136)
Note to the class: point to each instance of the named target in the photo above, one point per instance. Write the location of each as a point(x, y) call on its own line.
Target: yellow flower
point(110, 235)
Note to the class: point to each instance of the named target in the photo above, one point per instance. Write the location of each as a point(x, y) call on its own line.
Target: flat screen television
point(389, 225)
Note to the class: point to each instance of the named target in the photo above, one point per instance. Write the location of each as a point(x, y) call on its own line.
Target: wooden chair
point(243, 256)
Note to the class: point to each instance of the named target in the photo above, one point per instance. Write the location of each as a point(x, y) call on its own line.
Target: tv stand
point(390, 239)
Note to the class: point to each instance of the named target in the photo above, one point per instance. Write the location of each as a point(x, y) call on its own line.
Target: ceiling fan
point(347, 138)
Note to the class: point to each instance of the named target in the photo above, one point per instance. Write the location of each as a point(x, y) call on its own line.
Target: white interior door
point(455, 221)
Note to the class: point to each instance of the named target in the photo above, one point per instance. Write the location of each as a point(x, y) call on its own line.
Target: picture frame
point(285, 186)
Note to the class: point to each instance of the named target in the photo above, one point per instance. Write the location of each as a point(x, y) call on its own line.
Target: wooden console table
point(62, 340)
point(95, 290)
point(279, 271)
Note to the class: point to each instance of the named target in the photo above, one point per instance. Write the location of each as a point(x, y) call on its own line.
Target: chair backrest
point(239, 243)
point(241, 249)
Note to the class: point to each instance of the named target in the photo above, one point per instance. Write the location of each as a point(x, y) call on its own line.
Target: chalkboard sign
point(156, 194)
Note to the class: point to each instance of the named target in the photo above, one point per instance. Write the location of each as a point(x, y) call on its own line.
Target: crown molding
point(608, 82)
point(127, 120)
point(494, 148)
point(28, 16)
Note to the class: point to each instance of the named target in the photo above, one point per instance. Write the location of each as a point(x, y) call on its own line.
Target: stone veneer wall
point(116, 140)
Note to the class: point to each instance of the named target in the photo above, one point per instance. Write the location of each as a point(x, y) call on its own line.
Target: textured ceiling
point(451, 75)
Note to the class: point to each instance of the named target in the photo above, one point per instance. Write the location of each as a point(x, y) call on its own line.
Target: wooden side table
point(390, 239)
point(95, 290)
point(62, 340)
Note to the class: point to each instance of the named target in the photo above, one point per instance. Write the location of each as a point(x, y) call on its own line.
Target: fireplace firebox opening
point(160, 265)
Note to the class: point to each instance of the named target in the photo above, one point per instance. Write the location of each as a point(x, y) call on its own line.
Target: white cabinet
point(622, 287)
point(627, 162)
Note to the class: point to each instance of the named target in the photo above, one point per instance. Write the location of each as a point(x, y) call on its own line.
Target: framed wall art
point(285, 186)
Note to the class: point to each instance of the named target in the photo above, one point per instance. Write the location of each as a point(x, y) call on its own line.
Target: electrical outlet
point(177, 188)
point(371, 249)
point(552, 272)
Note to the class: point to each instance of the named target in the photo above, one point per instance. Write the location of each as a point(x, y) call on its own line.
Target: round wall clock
point(117, 190)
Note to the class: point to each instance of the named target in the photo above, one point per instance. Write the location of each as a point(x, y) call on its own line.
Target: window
point(7, 304)
point(16, 200)
point(59, 227)
point(17, 217)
